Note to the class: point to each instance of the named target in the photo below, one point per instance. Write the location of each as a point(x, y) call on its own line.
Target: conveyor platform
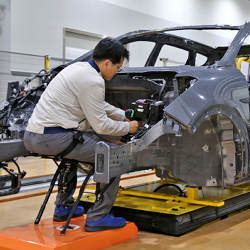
point(174, 215)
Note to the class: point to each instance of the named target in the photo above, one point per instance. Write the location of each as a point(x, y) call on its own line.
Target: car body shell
point(205, 114)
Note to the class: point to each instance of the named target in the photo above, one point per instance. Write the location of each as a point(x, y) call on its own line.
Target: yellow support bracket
point(191, 192)
point(158, 196)
point(240, 60)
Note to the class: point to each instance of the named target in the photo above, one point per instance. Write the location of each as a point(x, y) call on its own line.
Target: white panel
point(78, 42)
point(73, 53)
point(245, 69)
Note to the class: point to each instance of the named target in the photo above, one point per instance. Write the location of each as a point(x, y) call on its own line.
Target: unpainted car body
point(196, 127)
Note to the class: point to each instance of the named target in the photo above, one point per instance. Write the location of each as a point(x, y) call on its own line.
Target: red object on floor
point(46, 235)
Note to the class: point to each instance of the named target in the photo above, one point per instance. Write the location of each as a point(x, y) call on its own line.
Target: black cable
point(164, 82)
point(18, 168)
point(170, 185)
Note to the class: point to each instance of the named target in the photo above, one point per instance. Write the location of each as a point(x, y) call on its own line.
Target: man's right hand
point(133, 126)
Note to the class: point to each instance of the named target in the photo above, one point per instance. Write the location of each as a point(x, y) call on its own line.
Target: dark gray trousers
point(53, 144)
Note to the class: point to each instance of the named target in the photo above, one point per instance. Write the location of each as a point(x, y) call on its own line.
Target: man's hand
point(133, 126)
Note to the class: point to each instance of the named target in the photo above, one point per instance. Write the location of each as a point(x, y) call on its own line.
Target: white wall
point(5, 25)
point(192, 12)
point(4, 45)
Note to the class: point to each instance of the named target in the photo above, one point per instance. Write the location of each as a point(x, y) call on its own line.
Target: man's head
point(109, 55)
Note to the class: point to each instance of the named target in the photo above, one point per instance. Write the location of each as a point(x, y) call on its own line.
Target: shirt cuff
point(123, 116)
point(128, 127)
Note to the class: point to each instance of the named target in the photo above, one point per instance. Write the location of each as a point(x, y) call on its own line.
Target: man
point(75, 100)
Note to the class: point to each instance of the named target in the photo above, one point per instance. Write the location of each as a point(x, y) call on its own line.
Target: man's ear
point(106, 62)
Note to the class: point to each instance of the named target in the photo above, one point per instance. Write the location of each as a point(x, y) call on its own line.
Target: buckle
point(78, 137)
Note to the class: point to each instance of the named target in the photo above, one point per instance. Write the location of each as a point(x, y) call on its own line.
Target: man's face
point(109, 69)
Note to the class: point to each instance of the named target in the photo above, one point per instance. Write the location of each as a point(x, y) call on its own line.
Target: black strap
point(67, 178)
point(77, 138)
point(99, 192)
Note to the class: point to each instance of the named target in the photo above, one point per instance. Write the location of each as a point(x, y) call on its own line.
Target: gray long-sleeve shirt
point(75, 98)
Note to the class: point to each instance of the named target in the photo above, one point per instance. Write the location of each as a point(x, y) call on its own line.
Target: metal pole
point(47, 63)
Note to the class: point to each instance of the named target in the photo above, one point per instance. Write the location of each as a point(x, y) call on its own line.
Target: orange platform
point(46, 235)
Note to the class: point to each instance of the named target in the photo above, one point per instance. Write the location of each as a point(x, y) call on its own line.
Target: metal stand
point(52, 184)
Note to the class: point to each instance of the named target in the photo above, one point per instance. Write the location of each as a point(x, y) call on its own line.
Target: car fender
point(210, 87)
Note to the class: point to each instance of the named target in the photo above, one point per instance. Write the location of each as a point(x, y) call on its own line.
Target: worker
point(75, 101)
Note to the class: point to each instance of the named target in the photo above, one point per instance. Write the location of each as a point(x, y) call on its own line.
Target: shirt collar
point(94, 65)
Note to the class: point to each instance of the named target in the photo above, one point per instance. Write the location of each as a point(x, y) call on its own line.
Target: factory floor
point(232, 233)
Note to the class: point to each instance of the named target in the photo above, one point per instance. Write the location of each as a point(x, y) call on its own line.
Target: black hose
point(181, 193)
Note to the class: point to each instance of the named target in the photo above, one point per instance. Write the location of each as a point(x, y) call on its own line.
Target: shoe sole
point(60, 218)
point(100, 228)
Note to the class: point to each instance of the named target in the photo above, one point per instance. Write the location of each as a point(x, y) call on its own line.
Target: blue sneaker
point(61, 213)
point(105, 223)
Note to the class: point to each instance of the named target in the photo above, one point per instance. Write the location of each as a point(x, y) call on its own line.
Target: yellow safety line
point(172, 198)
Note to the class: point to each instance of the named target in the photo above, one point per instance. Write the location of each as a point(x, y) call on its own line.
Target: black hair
point(109, 48)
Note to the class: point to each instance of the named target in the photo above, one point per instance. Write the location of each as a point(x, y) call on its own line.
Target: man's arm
point(114, 113)
point(91, 100)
